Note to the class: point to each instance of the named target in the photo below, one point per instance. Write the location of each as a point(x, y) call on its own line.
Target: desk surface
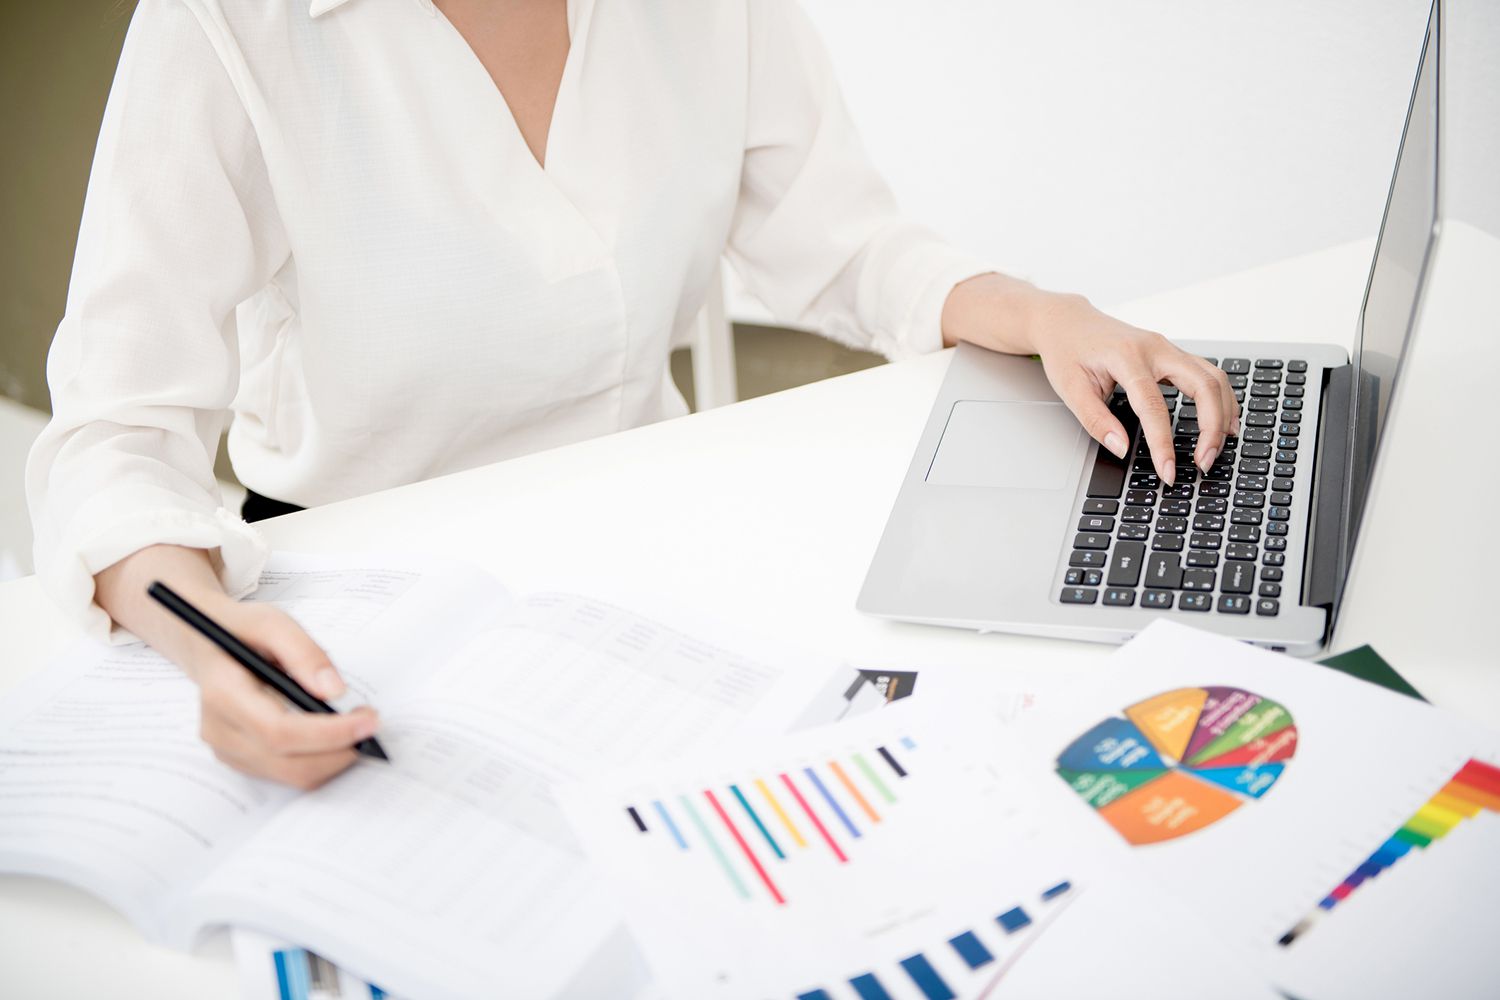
point(767, 513)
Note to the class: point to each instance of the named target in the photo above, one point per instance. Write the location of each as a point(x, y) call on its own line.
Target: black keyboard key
point(1244, 533)
point(1268, 363)
point(1208, 522)
point(1281, 499)
point(1273, 559)
point(1294, 391)
point(1261, 406)
point(1175, 508)
point(1078, 595)
point(1205, 560)
point(1239, 550)
point(1266, 377)
point(1272, 573)
point(1220, 473)
point(1169, 391)
point(1205, 540)
point(1164, 571)
point(1136, 515)
point(1286, 444)
point(1212, 505)
point(1249, 499)
point(1125, 568)
point(1119, 598)
point(1284, 470)
point(1282, 484)
point(1182, 491)
point(1275, 543)
point(1187, 428)
point(1256, 451)
point(1090, 540)
point(1171, 525)
point(1245, 515)
point(1096, 522)
point(1090, 559)
point(1289, 430)
point(1133, 532)
point(1234, 604)
point(1286, 456)
point(1213, 489)
point(1258, 435)
point(1198, 579)
point(1255, 484)
point(1291, 417)
point(1156, 599)
point(1194, 602)
point(1270, 590)
point(1265, 391)
point(1280, 513)
point(1239, 578)
point(1144, 481)
point(1141, 498)
point(1238, 382)
point(1188, 412)
point(1291, 404)
point(1108, 478)
point(1101, 506)
point(1167, 543)
point(1267, 608)
point(1254, 467)
point(1093, 577)
point(1239, 366)
point(1296, 366)
point(1260, 420)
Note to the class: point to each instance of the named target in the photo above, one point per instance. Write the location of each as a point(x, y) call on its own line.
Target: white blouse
point(325, 223)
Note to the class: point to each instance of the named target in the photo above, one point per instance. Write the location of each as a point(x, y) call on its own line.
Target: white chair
point(714, 380)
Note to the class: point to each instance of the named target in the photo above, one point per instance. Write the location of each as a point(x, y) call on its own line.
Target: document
point(447, 872)
point(880, 857)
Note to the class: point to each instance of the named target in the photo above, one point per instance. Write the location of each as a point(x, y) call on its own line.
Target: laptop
point(1012, 519)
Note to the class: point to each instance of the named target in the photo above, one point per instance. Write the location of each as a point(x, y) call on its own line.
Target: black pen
point(253, 661)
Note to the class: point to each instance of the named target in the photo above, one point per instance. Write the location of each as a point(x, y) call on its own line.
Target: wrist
point(1005, 314)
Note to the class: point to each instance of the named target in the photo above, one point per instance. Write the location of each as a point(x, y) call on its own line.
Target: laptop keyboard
point(1215, 542)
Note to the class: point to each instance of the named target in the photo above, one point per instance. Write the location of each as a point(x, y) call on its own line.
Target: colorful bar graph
point(1474, 789)
point(739, 839)
point(927, 979)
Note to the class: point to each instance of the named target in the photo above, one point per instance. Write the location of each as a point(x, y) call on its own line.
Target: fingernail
point(1169, 472)
point(329, 683)
point(1115, 442)
point(1208, 458)
point(368, 727)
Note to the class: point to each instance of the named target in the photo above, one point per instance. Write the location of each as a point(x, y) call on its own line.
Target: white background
point(1123, 147)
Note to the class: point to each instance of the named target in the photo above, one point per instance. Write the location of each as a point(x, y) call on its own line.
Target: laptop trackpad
point(1008, 444)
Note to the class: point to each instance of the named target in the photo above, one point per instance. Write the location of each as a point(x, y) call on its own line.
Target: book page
point(104, 781)
point(452, 872)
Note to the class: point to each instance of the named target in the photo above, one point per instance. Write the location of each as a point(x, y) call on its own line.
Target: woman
point(398, 238)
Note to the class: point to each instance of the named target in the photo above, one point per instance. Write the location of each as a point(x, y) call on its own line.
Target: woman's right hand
point(248, 725)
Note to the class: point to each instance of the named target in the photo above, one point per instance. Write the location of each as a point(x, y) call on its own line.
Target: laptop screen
point(1395, 283)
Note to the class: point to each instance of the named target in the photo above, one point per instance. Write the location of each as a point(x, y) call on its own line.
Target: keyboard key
point(1108, 477)
point(1175, 508)
point(1239, 550)
point(1273, 573)
point(1144, 481)
point(1261, 406)
point(1291, 404)
point(1208, 522)
point(1212, 505)
point(1093, 559)
point(1255, 484)
point(1239, 366)
point(1213, 490)
point(1205, 540)
point(1101, 506)
point(1093, 577)
point(1296, 380)
point(1136, 515)
point(1286, 444)
point(1273, 559)
point(1244, 533)
point(1280, 513)
point(1245, 515)
point(1119, 598)
point(1273, 543)
point(1125, 568)
point(1270, 590)
point(1187, 428)
point(1258, 435)
point(1164, 571)
point(1291, 417)
point(1239, 578)
point(1294, 391)
point(1198, 579)
point(1090, 540)
point(1268, 363)
point(1239, 380)
point(1169, 391)
point(1257, 451)
point(1281, 499)
point(1204, 560)
point(1267, 608)
point(1133, 532)
point(1265, 391)
point(1220, 473)
point(1282, 484)
point(1267, 377)
point(1296, 366)
point(1156, 599)
point(1194, 602)
point(1167, 543)
point(1096, 523)
point(1078, 595)
point(1249, 499)
point(1284, 470)
point(1189, 412)
point(1171, 525)
point(1141, 498)
point(1286, 457)
point(1260, 420)
point(1073, 577)
point(1182, 491)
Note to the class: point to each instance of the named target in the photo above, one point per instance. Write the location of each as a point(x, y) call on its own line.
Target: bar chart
point(750, 826)
point(1475, 788)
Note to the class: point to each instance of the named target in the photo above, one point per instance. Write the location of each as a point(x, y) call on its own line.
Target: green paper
point(1367, 665)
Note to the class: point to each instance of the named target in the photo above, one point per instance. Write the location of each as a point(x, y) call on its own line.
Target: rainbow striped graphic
point(1475, 788)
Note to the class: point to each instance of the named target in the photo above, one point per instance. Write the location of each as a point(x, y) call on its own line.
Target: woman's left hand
point(1085, 353)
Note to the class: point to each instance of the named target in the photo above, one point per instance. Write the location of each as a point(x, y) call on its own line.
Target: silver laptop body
point(1010, 518)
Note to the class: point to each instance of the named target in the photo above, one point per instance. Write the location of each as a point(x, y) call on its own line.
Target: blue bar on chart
point(1056, 890)
point(1013, 919)
point(971, 950)
point(832, 802)
point(869, 988)
point(927, 979)
point(666, 818)
point(814, 995)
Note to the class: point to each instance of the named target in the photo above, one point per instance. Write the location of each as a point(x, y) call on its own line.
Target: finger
point(312, 770)
point(1231, 404)
point(1083, 397)
point(1156, 424)
point(262, 720)
point(276, 635)
point(1191, 375)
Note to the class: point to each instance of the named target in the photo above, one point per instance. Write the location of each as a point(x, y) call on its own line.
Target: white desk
point(768, 512)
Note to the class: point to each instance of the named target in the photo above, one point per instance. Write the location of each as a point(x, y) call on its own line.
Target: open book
point(448, 871)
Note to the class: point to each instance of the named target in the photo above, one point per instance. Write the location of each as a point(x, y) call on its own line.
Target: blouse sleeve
point(816, 235)
point(179, 226)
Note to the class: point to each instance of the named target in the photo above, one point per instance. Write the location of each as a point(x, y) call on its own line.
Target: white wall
point(1124, 147)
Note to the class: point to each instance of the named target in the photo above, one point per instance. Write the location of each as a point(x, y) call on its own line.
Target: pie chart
point(1180, 761)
